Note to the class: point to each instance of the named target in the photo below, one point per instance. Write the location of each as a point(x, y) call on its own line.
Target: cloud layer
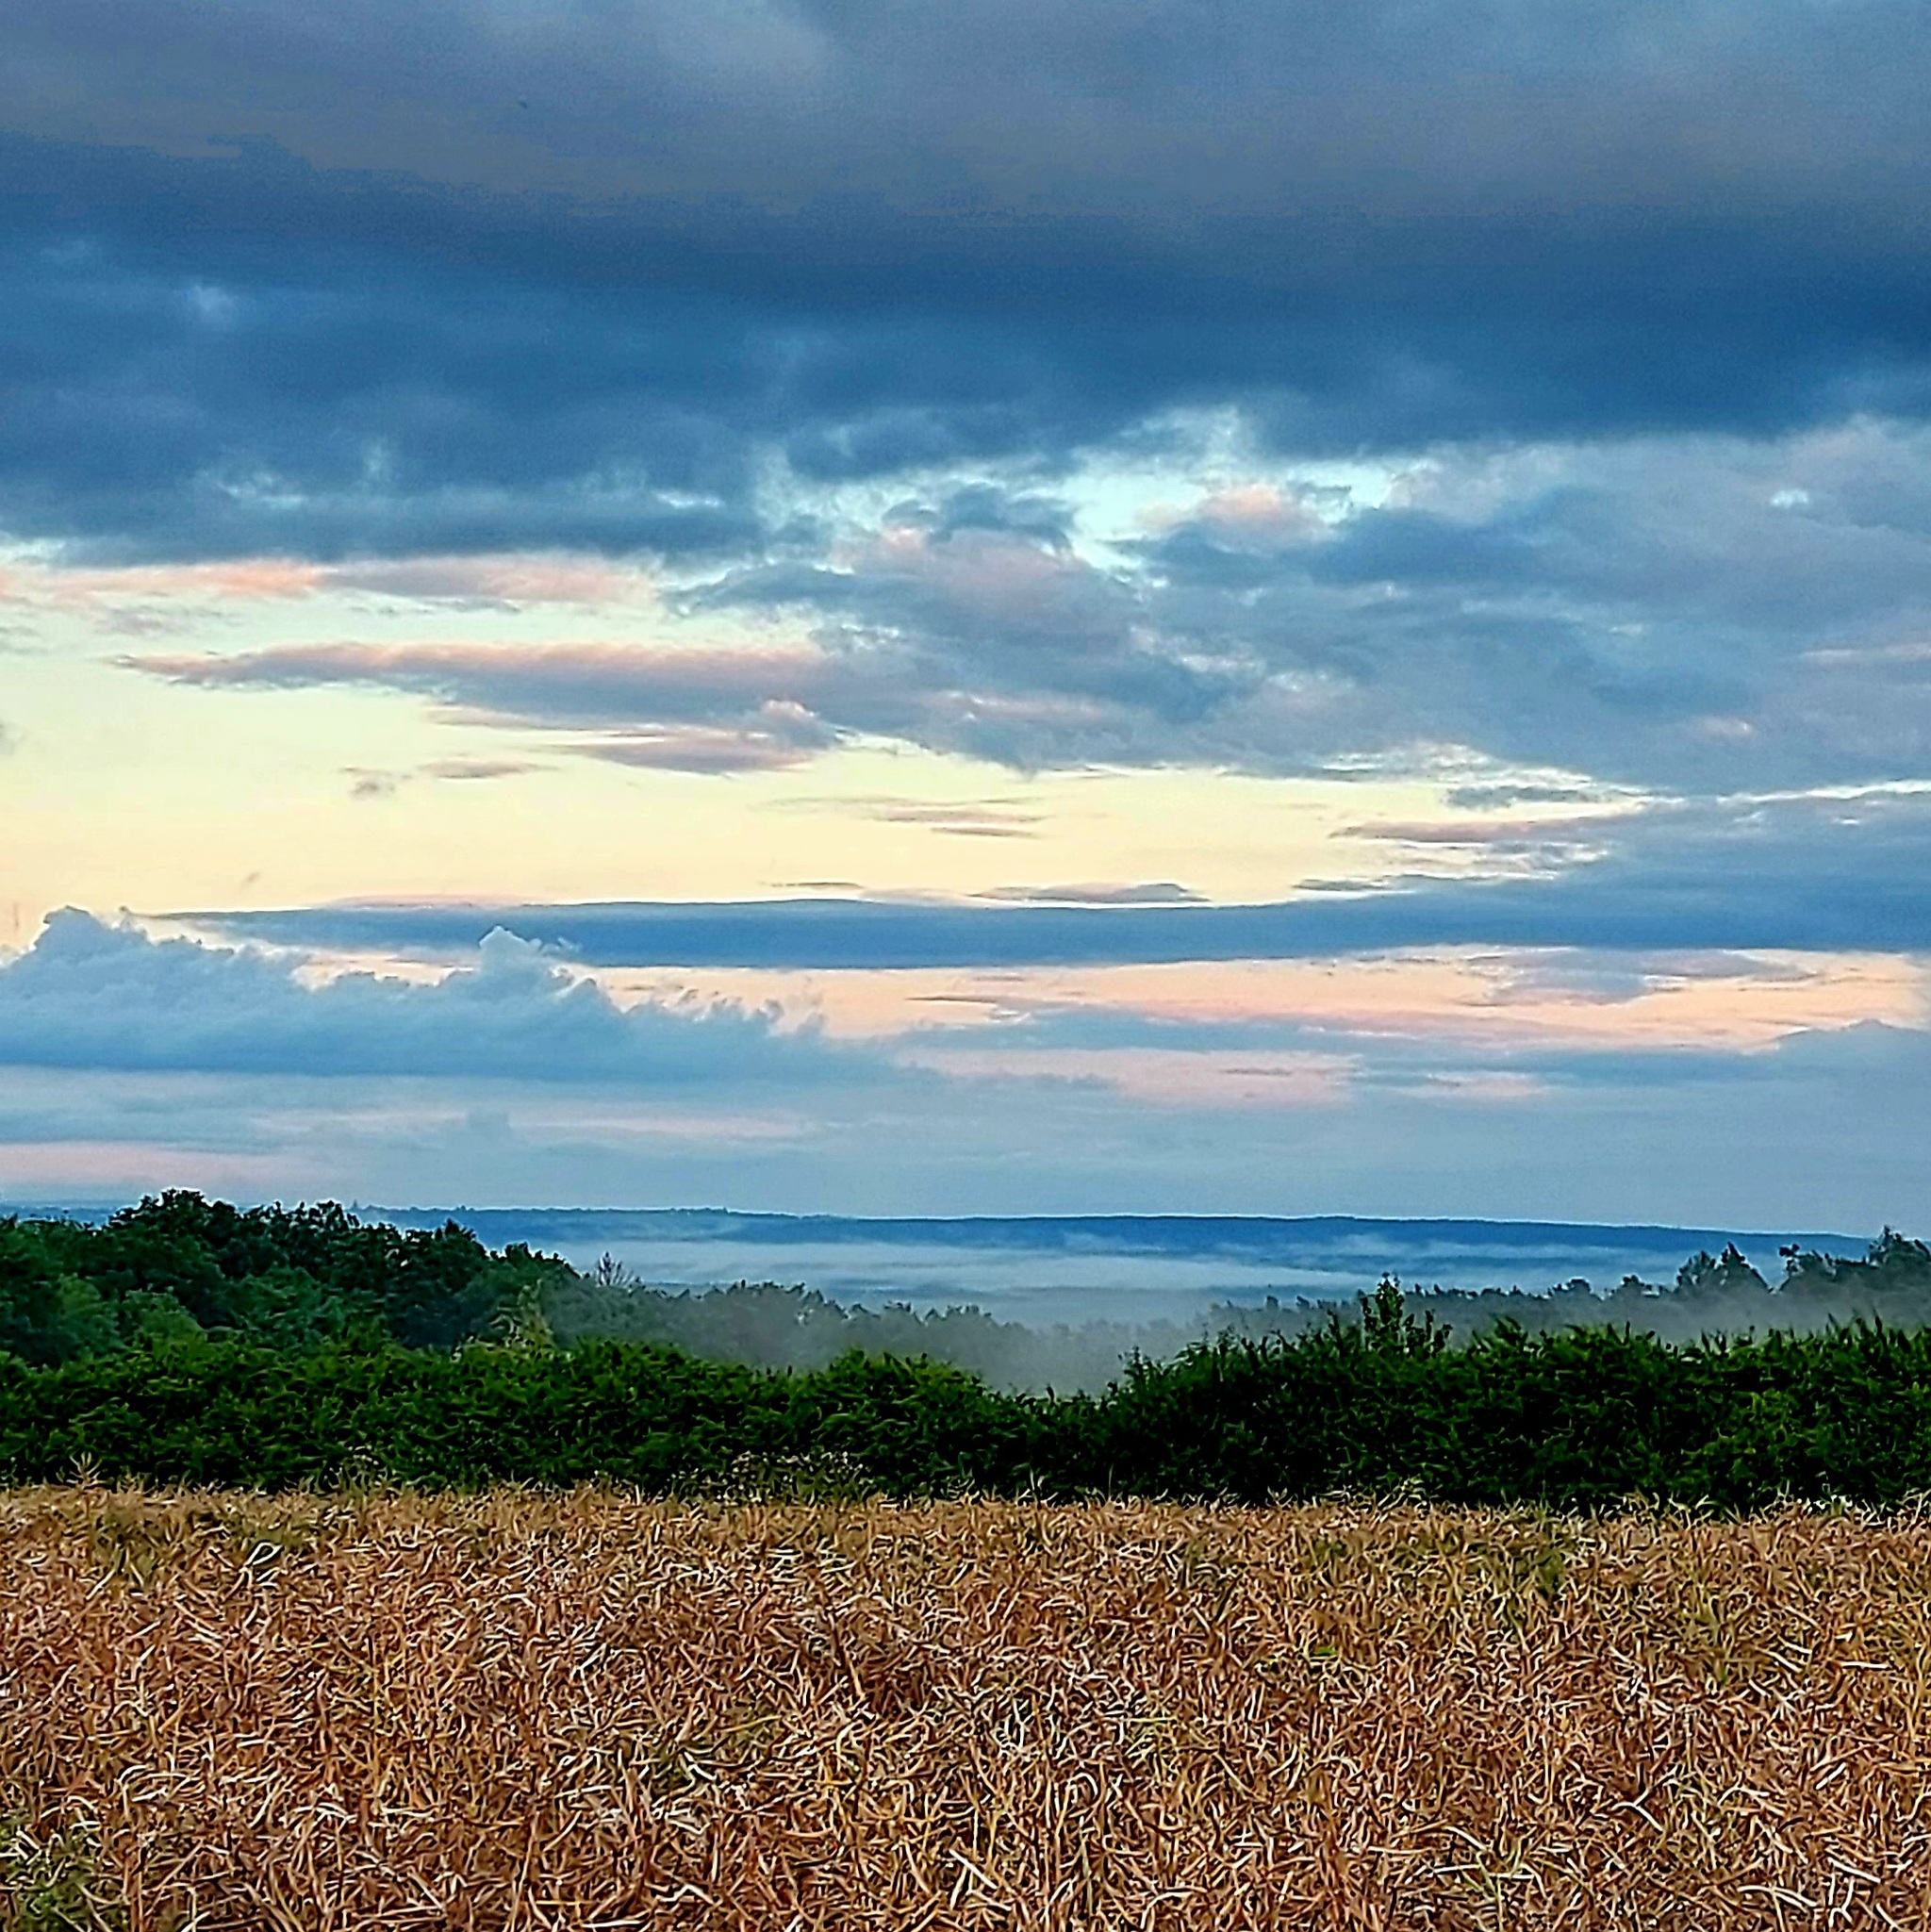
point(132, 1064)
point(1700, 616)
point(1625, 307)
point(1827, 873)
point(90, 996)
point(475, 274)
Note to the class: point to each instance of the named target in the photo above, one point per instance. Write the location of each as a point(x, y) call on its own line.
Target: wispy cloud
point(479, 770)
point(673, 710)
point(959, 817)
point(790, 740)
point(1150, 892)
point(1823, 872)
point(1169, 1076)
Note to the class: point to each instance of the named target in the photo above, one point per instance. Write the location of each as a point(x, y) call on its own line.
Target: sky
point(821, 605)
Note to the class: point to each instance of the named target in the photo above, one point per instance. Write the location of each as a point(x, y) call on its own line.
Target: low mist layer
point(178, 1267)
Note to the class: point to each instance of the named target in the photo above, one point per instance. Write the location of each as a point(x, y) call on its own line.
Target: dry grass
point(588, 1711)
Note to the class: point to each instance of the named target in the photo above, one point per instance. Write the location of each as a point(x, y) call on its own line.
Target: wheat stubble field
point(587, 1710)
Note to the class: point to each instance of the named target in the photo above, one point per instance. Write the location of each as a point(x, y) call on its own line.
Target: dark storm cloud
point(326, 408)
point(1294, 147)
point(465, 275)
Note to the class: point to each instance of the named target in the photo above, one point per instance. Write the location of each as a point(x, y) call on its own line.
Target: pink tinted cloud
point(1491, 1002)
point(240, 580)
point(1261, 510)
point(687, 710)
point(124, 1169)
point(1159, 1076)
point(508, 580)
point(701, 748)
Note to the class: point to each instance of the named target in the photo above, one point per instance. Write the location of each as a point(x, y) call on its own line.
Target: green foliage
point(1724, 1274)
point(1578, 1419)
point(53, 1885)
point(178, 1266)
point(187, 1340)
point(1712, 1295)
point(1390, 1327)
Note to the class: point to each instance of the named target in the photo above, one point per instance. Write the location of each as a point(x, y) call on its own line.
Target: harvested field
point(585, 1711)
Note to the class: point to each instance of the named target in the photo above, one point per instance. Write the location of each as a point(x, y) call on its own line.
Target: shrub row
point(1580, 1419)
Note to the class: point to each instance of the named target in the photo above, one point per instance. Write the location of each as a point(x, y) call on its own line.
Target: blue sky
point(1002, 608)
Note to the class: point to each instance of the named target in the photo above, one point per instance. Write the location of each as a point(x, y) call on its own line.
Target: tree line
point(188, 1341)
point(178, 1268)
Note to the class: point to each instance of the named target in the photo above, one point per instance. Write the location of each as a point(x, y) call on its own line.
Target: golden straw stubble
point(593, 1712)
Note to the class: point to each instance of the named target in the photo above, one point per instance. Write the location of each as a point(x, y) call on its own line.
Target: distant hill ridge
point(1137, 1233)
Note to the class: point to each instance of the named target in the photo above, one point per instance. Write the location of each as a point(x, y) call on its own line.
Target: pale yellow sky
point(124, 790)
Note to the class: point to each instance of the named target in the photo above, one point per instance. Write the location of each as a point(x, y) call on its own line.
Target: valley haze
point(1077, 1269)
point(1115, 1268)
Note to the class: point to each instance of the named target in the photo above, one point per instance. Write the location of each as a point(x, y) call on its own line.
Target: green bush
point(1575, 1420)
